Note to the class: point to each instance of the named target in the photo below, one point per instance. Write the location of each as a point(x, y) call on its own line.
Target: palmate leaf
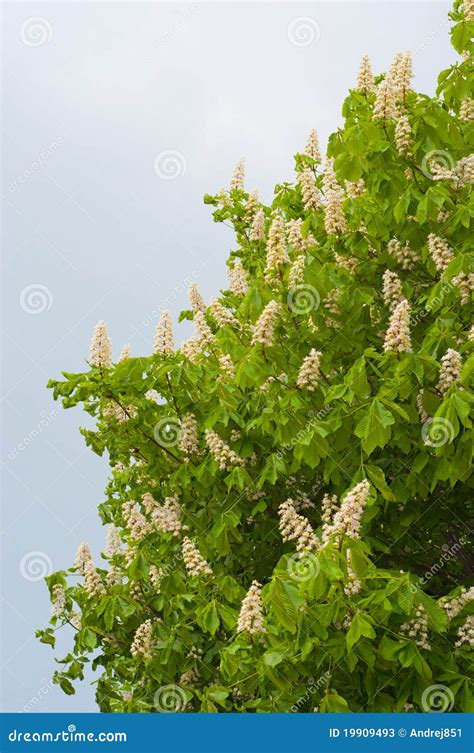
point(374, 426)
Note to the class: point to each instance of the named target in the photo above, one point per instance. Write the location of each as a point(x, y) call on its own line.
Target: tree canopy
point(288, 503)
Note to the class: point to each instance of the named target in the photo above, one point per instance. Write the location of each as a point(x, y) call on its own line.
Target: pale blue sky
point(88, 219)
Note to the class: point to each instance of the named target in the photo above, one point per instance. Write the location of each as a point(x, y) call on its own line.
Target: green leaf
point(361, 626)
point(207, 617)
point(285, 601)
point(374, 426)
point(333, 703)
point(273, 658)
point(377, 477)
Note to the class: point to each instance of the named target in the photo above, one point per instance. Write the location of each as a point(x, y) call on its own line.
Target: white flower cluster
point(403, 136)
point(329, 505)
point(468, 7)
point(397, 336)
point(312, 146)
point(83, 555)
point(58, 600)
point(295, 527)
point(296, 273)
point(392, 289)
point(310, 370)
point(113, 544)
point(309, 190)
point(402, 74)
point(466, 111)
point(347, 519)
point(92, 580)
point(167, 517)
point(331, 301)
point(191, 349)
point(113, 410)
point(227, 367)
point(264, 329)
point(251, 611)
point(195, 298)
point(334, 220)
point(454, 606)
point(405, 255)
point(125, 353)
point(188, 435)
point(385, 106)
point(421, 408)
point(257, 230)
point(142, 645)
point(135, 521)
point(100, 351)
point(349, 263)
point(156, 576)
point(253, 205)
point(189, 677)
point(194, 562)
point(204, 332)
point(465, 284)
point(353, 585)
point(295, 238)
point(238, 176)
point(355, 188)
point(365, 79)
point(222, 316)
point(164, 342)
point(450, 370)
point(464, 171)
point(276, 244)
point(418, 628)
point(466, 632)
point(238, 282)
point(221, 451)
point(440, 252)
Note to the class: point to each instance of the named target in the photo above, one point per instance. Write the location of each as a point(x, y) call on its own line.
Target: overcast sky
point(118, 117)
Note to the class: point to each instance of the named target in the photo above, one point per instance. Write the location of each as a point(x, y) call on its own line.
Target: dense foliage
point(289, 491)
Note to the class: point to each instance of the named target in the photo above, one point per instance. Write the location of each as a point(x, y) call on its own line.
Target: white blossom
point(100, 351)
point(251, 611)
